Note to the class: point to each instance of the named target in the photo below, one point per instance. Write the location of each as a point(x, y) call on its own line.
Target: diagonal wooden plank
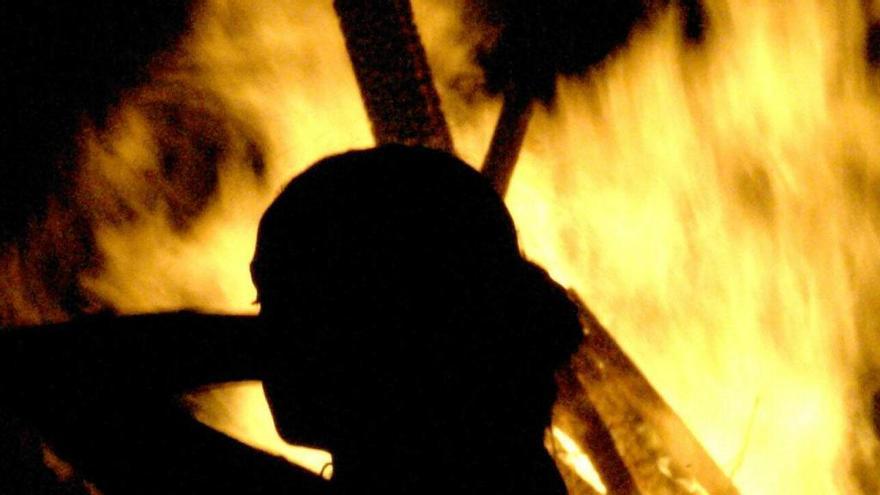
point(662, 454)
point(392, 72)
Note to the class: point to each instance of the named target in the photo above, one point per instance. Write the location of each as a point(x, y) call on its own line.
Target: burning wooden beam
point(659, 450)
point(392, 72)
point(577, 417)
point(507, 139)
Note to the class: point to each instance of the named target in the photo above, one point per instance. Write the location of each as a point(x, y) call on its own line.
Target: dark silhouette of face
point(354, 256)
point(404, 321)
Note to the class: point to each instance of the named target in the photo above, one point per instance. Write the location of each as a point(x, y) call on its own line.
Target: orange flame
point(714, 204)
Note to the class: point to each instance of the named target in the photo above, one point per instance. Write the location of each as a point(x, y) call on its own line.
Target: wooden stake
point(507, 139)
point(392, 71)
point(577, 417)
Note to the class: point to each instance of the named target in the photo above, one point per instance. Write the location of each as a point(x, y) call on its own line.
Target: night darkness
point(63, 62)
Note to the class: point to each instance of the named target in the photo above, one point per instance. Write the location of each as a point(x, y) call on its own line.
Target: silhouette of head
point(405, 321)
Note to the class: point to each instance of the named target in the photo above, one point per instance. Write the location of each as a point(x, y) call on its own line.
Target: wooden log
point(507, 139)
point(577, 417)
point(392, 72)
point(661, 453)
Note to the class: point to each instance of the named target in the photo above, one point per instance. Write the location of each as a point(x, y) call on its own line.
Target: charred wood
point(507, 139)
point(392, 71)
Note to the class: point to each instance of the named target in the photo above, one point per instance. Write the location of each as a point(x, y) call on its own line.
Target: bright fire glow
point(716, 206)
point(223, 405)
point(570, 453)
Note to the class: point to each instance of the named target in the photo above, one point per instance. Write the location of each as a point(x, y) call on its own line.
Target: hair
point(397, 270)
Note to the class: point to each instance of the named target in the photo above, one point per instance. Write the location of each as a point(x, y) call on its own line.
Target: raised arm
point(103, 356)
point(101, 391)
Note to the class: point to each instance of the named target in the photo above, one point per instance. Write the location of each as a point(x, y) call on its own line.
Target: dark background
point(62, 62)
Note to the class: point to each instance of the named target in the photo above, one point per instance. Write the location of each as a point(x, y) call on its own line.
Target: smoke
point(528, 44)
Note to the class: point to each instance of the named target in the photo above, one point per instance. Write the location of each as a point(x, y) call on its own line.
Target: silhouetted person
point(400, 328)
point(406, 333)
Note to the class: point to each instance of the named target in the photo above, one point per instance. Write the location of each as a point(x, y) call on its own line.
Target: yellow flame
point(240, 410)
point(711, 205)
point(571, 454)
point(716, 206)
point(282, 68)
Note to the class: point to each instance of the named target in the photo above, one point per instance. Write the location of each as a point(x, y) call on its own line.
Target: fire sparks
point(714, 203)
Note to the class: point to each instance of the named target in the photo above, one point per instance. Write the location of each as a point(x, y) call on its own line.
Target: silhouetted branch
point(507, 139)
